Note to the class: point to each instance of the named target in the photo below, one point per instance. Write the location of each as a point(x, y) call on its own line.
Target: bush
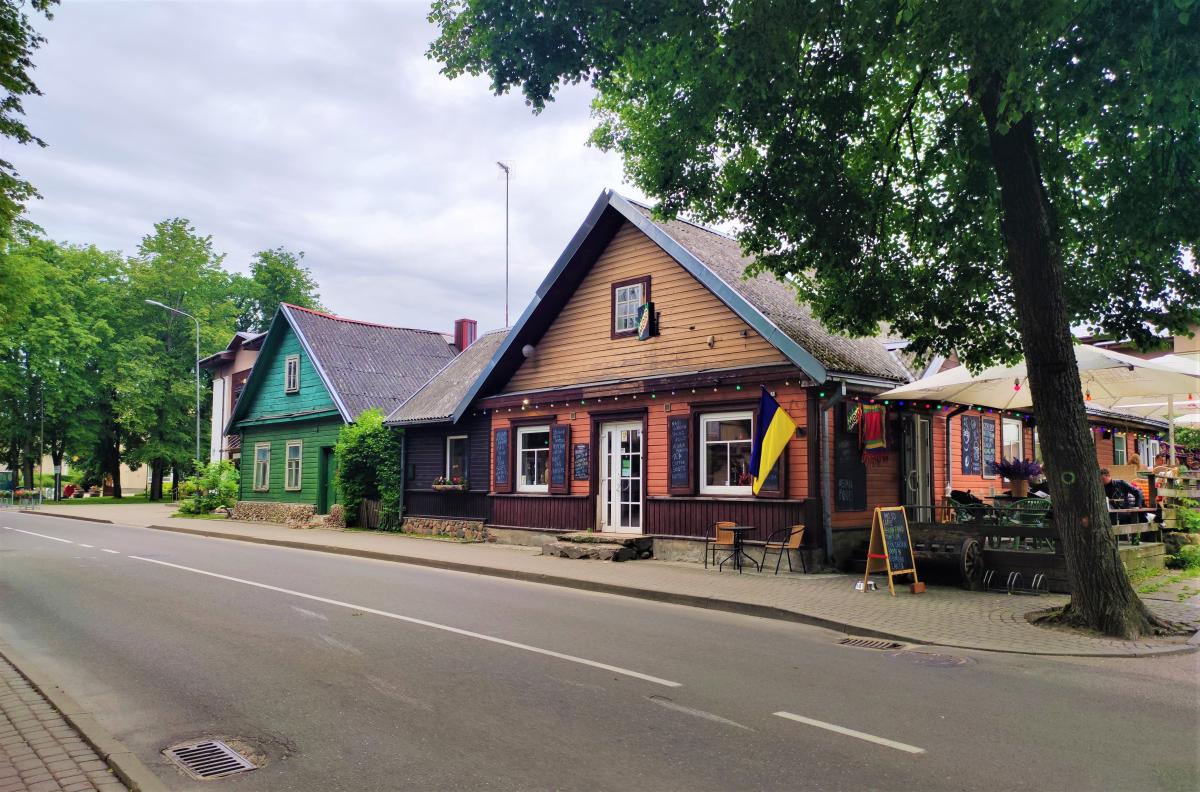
point(1188, 557)
point(1187, 515)
point(214, 487)
point(368, 468)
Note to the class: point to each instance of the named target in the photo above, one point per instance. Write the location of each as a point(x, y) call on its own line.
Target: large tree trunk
point(1101, 596)
point(56, 458)
point(156, 480)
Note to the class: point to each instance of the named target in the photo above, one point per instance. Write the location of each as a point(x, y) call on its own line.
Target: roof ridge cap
point(347, 320)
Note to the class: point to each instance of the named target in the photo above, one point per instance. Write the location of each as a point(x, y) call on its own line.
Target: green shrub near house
point(214, 487)
point(369, 468)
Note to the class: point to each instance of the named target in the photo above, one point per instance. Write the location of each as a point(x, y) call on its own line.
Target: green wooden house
point(317, 372)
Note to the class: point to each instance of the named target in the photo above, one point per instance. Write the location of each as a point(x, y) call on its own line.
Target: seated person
point(1039, 488)
point(1122, 495)
point(1162, 464)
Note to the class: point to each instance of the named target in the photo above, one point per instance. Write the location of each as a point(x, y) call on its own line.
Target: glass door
point(621, 474)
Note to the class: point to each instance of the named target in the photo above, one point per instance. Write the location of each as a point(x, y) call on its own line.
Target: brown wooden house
point(601, 424)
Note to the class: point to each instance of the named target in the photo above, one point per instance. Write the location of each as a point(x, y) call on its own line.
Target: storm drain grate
point(209, 759)
point(869, 643)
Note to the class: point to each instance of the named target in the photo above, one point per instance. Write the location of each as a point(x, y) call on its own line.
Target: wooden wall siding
point(314, 434)
point(269, 398)
point(883, 480)
point(556, 512)
point(577, 348)
point(682, 516)
point(447, 505)
point(792, 397)
point(425, 450)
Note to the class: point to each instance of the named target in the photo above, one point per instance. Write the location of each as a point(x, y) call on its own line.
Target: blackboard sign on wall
point(500, 460)
point(560, 438)
point(970, 445)
point(849, 470)
point(679, 454)
point(583, 462)
point(989, 445)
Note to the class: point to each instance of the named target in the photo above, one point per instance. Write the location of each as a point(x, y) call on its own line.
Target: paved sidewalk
point(944, 616)
point(39, 751)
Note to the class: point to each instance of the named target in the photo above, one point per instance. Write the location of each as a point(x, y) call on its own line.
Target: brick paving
point(41, 752)
point(944, 616)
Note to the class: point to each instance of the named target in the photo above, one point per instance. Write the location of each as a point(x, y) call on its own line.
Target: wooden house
point(315, 373)
point(229, 368)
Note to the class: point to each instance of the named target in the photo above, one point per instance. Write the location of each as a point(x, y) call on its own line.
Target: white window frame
point(705, 419)
point(1121, 441)
point(287, 465)
point(1020, 440)
point(522, 433)
point(266, 467)
point(466, 456)
point(618, 302)
point(291, 374)
point(1037, 446)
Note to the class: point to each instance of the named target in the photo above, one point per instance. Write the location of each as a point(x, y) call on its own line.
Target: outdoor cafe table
point(739, 550)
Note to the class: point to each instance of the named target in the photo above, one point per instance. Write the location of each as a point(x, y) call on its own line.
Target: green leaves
point(368, 460)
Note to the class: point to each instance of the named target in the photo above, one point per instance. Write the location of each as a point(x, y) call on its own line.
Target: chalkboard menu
point(500, 460)
point(989, 446)
point(583, 462)
point(679, 454)
point(895, 539)
point(849, 470)
point(970, 446)
point(559, 438)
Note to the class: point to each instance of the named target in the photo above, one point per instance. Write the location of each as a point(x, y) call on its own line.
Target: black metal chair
point(784, 541)
point(719, 540)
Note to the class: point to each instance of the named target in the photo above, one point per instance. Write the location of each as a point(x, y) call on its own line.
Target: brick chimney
point(464, 333)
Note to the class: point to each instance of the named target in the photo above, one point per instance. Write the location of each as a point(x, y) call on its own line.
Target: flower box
point(449, 487)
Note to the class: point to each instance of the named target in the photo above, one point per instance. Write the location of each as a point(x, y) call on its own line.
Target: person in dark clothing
point(1122, 495)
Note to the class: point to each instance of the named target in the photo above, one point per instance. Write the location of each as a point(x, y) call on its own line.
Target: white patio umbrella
point(1107, 378)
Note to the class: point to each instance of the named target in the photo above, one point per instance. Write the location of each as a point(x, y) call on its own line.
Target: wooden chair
point(783, 542)
point(718, 540)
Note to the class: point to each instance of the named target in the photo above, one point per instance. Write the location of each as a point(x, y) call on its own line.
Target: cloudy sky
point(317, 126)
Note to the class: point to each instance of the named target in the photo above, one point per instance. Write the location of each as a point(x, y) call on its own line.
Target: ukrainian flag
point(771, 435)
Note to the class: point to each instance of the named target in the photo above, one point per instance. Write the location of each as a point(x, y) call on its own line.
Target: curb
point(66, 516)
point(672, 598)
point(124, 764)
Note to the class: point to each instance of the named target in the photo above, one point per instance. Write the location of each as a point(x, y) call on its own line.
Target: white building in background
point(230, 368)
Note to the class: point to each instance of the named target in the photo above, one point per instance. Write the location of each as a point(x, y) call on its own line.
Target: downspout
point(403, 476)
point(949, 458)
point(827, 472)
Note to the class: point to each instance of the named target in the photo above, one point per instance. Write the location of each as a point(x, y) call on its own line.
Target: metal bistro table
point(739, 549)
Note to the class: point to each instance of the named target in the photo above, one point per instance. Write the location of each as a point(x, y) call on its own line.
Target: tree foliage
point(368, 468)
point(215, 486)
point(276, 276)
point(980, 175)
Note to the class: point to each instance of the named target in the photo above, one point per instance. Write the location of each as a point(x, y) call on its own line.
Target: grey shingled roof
point(437, 398)
point(778, 302)
point(370, 365)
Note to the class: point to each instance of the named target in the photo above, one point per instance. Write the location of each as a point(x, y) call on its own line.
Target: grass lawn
point(200, 516)
point(128, 500)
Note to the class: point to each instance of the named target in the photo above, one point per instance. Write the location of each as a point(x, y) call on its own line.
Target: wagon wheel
point(970, 563)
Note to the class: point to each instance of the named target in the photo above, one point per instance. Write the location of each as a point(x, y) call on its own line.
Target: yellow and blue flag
point(771, 435)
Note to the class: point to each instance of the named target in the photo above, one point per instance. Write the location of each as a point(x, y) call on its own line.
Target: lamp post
point(507, 174)
point(197, 321)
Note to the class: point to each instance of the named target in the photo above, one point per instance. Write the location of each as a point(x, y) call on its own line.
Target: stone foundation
point(336, 518)
point(527, 537)
point(295, 515)
point(467, 530)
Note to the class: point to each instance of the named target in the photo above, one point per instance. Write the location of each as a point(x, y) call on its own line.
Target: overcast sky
point(317, 126)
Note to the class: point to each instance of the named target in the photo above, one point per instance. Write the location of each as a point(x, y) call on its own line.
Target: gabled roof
point(763, 302)
point(361, 364)
point(439, 398)
point(241, 340)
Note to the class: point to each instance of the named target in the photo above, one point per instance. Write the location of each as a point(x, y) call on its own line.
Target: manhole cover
point(931, 659)
point(208, 759)
point(869, 643)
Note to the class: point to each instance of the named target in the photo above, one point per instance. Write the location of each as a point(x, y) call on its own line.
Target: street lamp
point(197, 321)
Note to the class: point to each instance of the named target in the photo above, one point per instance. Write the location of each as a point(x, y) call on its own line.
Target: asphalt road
point(352, 674)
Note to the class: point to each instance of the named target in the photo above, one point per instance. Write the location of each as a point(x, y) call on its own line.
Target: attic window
point(627, 297)
point(291, 374)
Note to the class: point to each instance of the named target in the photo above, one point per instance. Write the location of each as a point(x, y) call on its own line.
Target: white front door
point(621, 477)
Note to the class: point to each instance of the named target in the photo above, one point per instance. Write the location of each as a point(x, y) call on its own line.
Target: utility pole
point(507, 173)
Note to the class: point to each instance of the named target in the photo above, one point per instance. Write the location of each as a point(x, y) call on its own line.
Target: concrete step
point(600, 551)
point(636, 541)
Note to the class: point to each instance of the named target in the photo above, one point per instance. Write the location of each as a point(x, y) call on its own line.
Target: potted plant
point(450, 484)
point(1017, 471)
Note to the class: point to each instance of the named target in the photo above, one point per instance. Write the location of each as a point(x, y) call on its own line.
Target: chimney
point(464, 333)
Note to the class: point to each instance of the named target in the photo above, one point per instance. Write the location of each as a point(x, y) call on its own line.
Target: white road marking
point(7, 528)
point(336, 644)
point(422, 622)
point(89, 547)
point(44, 536)
point(662, 701)
point(899, 746)
point(114, 552)
point(311, 614)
